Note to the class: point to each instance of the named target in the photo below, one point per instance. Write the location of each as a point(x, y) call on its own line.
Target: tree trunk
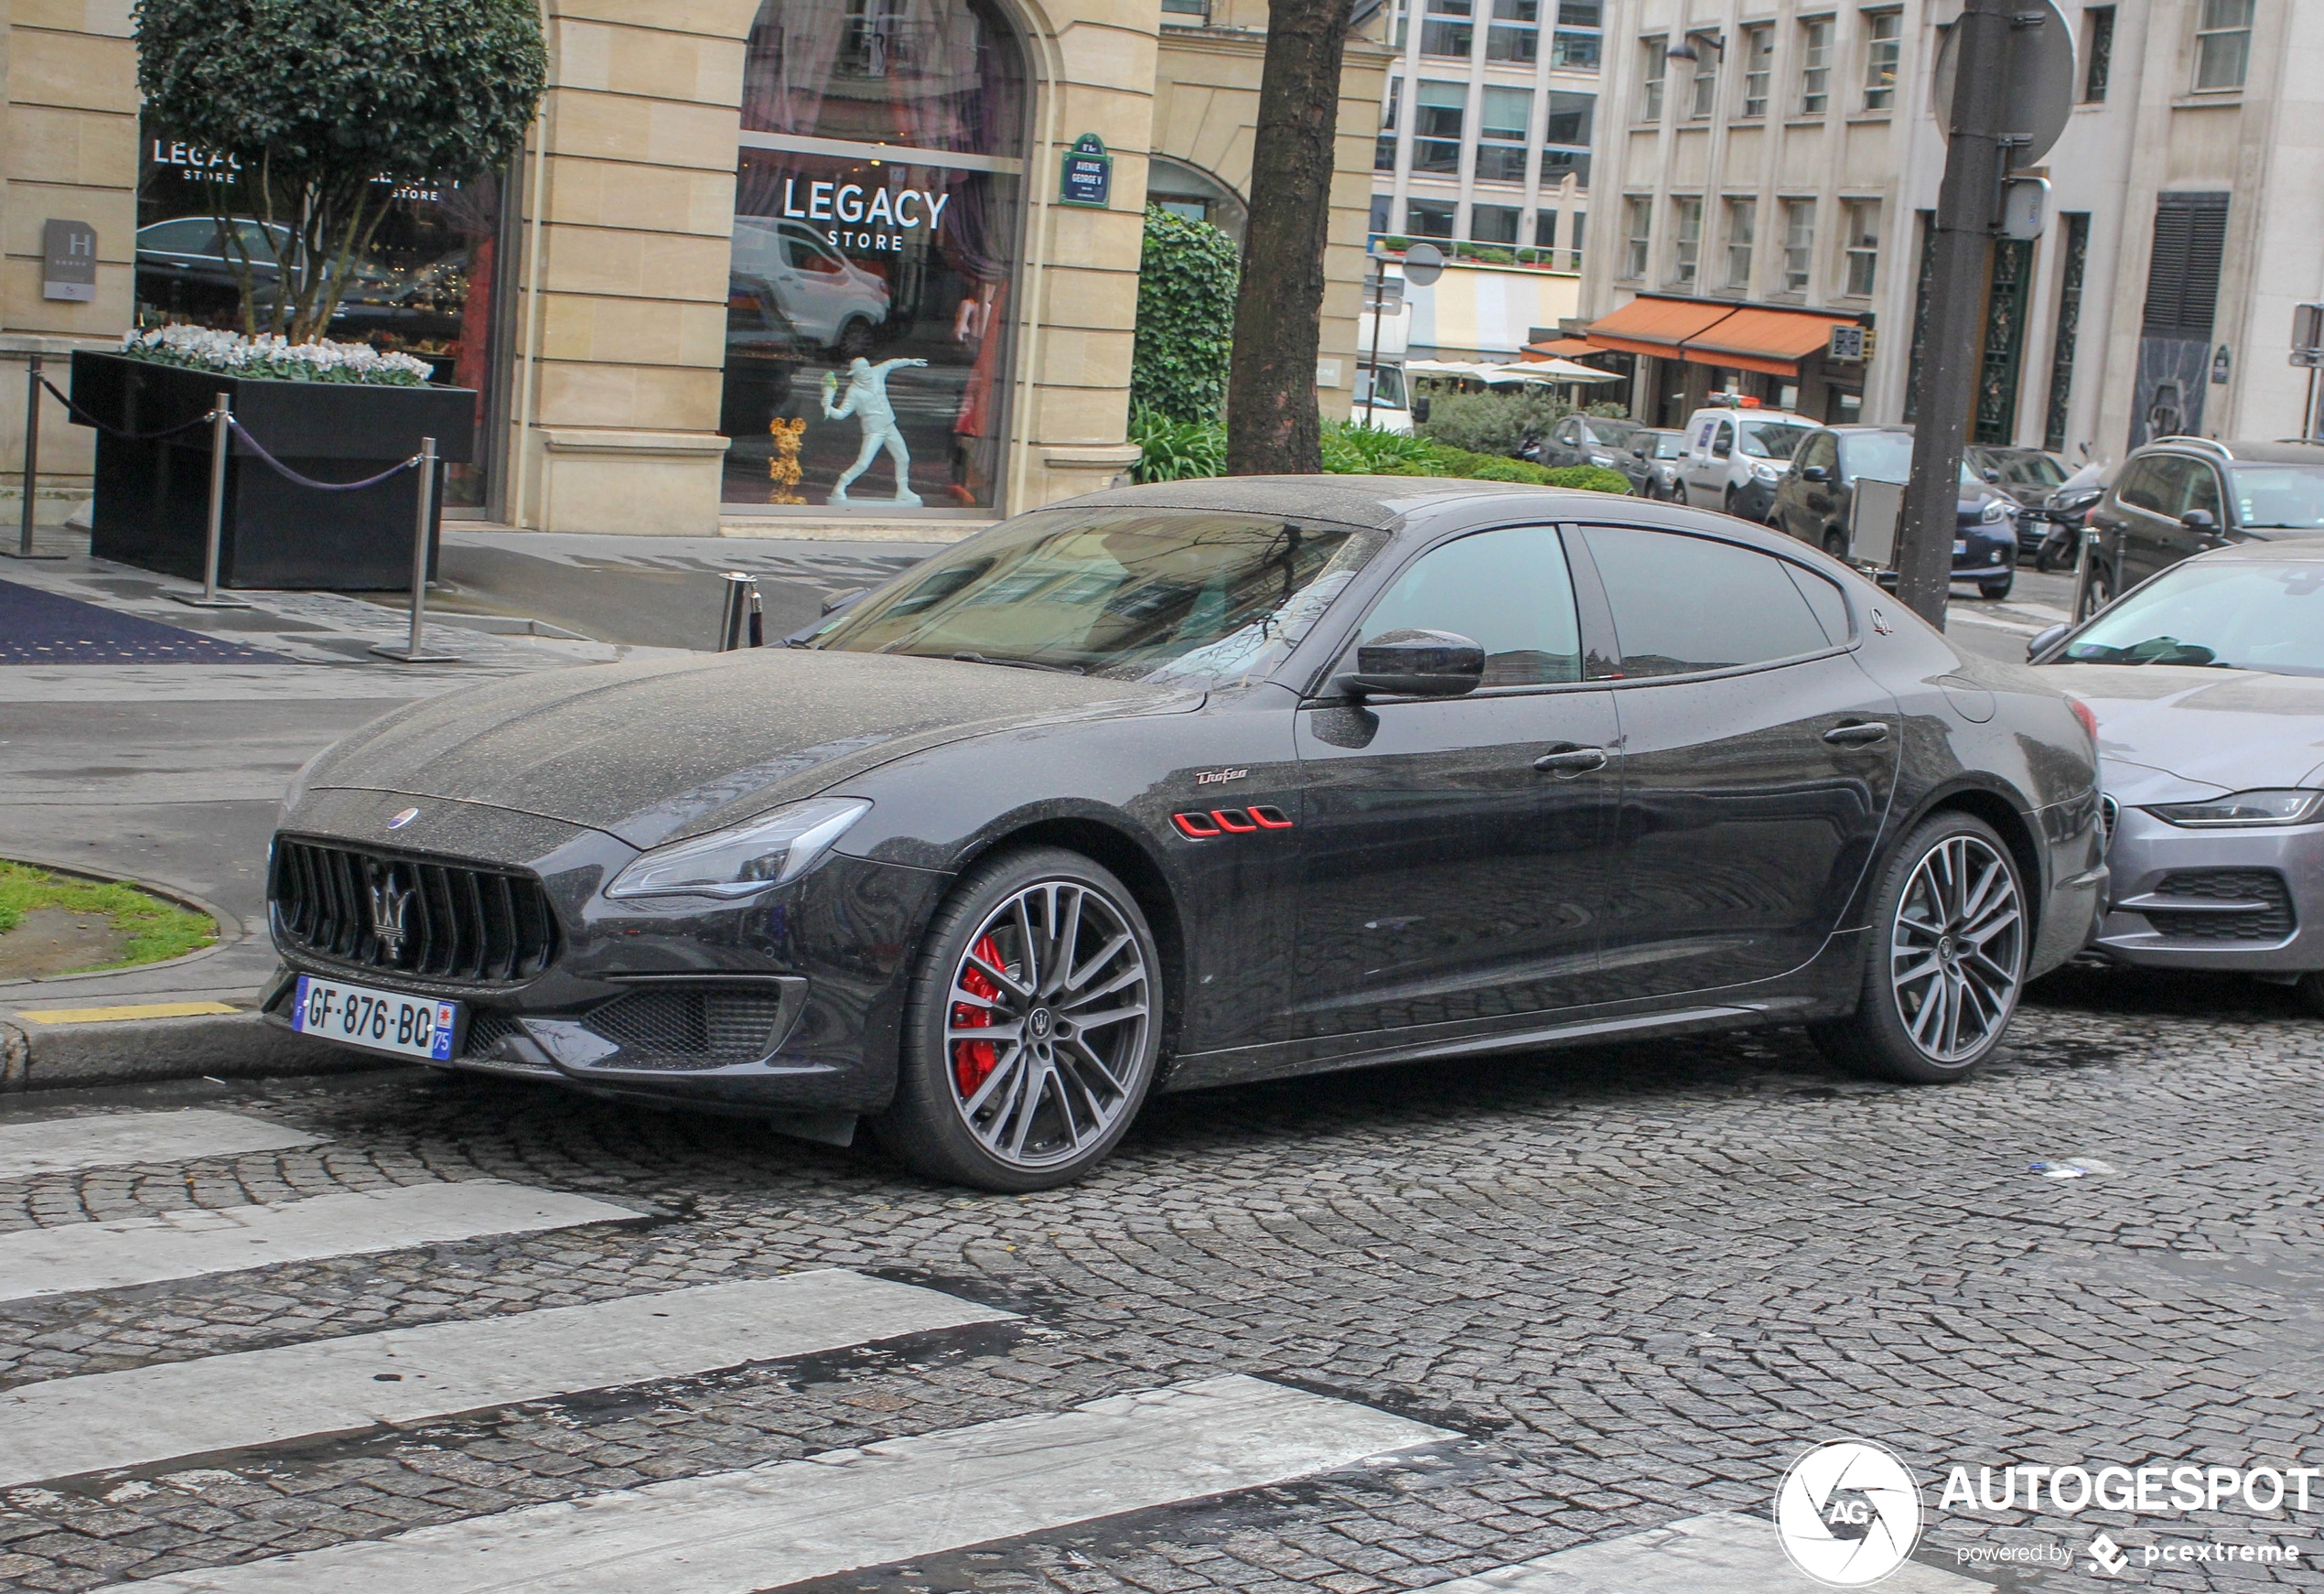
point(1272, 423)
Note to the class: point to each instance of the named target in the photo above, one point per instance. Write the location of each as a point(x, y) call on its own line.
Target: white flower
point(206, 348)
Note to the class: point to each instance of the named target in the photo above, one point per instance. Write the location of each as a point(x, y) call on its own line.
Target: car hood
point(2235, 731)
point(645, 751)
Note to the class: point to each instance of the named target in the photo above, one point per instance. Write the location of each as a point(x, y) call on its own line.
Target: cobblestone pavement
point(1635, 1282)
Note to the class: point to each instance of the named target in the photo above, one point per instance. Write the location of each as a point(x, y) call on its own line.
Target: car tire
point(2310, 991)
point(1995, 591)
point(855, 340)
point(2100, 593)
point(970, 1110)
point(1678, 495)
point(1836, 543)
point(1726, 503)
point(1938, 895)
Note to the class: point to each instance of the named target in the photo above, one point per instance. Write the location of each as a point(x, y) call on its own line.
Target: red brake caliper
point(974, 1060)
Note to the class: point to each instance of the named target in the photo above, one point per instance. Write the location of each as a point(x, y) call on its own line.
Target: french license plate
point(379, 1021)
point(1961, 547)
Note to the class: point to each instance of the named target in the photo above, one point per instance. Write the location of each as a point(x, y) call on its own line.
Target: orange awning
point(1772, 341)
point(1558, 349)
point(1659, 327)
point(1737, 337)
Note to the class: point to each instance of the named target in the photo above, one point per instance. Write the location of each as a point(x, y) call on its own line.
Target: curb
point(36, 1056)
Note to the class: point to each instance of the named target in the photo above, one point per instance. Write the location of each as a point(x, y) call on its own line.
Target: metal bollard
point(2083, 553)
point(741, 619)
point(221, 437)
point(414, 652)
point(31, 463)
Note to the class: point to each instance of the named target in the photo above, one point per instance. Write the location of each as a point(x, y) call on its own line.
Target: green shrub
point(1395, 246)
point(1589, 478)
point(1353, 448)
point(1187, 278)
point(1172, 450)
point(1492, 423)
point(1496, 257)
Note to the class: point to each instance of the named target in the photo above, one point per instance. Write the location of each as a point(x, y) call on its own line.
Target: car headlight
point(769, 850)
point(1767, 470)
point(1996, 511)
point(2284, 807)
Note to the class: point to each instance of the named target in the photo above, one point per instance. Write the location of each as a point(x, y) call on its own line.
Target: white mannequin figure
point(866, 399)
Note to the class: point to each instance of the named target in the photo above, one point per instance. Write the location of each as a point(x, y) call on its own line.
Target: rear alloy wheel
point(2100, 592)
point(1678, 494)
point(1033, 1028)
point(1836, 543)
point(1945, 960)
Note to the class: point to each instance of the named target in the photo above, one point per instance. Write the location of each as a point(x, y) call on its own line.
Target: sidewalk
point(169, 772)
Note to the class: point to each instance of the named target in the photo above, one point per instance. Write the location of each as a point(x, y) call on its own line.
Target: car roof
point(2295, 549)
point(1355, 501)
point(2289, 451)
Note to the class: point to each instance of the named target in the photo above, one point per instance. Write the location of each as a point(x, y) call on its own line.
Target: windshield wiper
point(1021, 663)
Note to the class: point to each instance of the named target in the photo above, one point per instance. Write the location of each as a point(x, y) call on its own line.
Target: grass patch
point(152, 929)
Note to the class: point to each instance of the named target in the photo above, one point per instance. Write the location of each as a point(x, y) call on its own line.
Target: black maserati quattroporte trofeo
point(1180, 785)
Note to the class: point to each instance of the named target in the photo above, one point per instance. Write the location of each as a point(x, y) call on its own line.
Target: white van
point(1734, 458)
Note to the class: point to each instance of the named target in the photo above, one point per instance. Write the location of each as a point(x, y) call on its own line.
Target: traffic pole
point(222, 439)
point(1379, 309)
point(31, 462)
point(415, 650)
point(1959, 267)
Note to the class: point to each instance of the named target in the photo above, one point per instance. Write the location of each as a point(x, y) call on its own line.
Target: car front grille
point(712, 1024)
point(2262, 909)
point(439, 921)
point(486, 1031)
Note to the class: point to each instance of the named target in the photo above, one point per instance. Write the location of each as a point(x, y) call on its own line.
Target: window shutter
point(2182, 274)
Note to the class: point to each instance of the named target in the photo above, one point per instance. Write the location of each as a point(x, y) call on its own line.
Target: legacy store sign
point(886, 207)
point(69, 262)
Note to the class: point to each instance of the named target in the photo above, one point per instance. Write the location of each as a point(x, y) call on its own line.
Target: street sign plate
point(1424, 263)
point(2025, 208)
point(2040, 96)
point(1847, 344)
point(1086, 175)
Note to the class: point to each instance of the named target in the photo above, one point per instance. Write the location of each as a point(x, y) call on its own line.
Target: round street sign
point(1424, 263)
point(2041, 95)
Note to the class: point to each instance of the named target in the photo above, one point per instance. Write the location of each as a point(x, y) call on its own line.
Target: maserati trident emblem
point(403, 819)
point(391, 902)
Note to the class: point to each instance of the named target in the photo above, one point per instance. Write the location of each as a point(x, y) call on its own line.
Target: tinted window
point(1723, 442)
point(1682, 604)
point(1670, 444)
point(1771, 442)
point(1507, 590)
point(2290, 496)
point(1831, 608)
point(1822, 450)
point(2147, 485)
point(2202, 492)
point(193, 235)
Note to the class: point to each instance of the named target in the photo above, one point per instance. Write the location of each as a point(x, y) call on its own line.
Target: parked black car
point(2177, 496)
point(1651, 461)
point(2028, 476)
point(1580, 439)
point(1199, 782)
point(1815, 497)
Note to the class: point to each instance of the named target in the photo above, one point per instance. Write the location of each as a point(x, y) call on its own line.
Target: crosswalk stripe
point(70, 1426)
point(57, 1145)
point(1727, 1551)
point(186, 1244)
point(898, 1500)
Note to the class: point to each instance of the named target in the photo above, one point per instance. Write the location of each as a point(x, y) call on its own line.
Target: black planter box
point(153, 496)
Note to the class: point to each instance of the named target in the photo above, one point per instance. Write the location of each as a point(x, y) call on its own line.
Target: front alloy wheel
point(1946, 960)
point(1033, 1028)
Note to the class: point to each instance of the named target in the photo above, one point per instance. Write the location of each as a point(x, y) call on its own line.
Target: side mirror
point(1420, 410)
point(840, 600)
point(1721, 452)
point(1415, 663)
point(1814, 473)
point(2201, 521)
point(1990, 474)
point(2043, 641)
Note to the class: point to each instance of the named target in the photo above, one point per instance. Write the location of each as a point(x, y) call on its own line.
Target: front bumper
point(2229, 899)
point(1989, 552)
point(789, 1002)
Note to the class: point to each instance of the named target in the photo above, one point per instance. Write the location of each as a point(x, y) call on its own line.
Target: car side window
point(2202, 492)
point(1823, 597)
point(1565, 429)
point(1822, 450)
point(1723, 441)
point(1684, 603)
point(1507, 590)
point(2147, 484)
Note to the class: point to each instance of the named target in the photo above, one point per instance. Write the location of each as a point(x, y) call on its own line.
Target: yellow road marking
point(108, 1015)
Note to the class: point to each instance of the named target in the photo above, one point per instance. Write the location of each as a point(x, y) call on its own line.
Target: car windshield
point(2285, 497)
point(1887, 457)
point(1388, 384)
point(1174, 596)
point(2229, 616)
point(2030, 468)
point(1670, 444)
point(1773, 442)
point(1614, 432)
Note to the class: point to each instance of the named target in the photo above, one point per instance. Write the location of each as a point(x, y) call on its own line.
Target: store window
point(426, 287)
point(867, 303)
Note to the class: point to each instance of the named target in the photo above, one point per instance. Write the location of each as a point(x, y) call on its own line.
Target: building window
point(838, 256)
point(1199, 9)
point(1502, 131)
point(1742, 222)
point(1428, 218)
point(1544, 229)
point(2222, 44)
point(1384, 207)
point(1492, 223)
point(2097, 52)
point(1515, 34)
point(1383, 158)
point(1759, 68)
point(1883, 43)
point(1654, 66)
point(1637, 217)
point(1448, 28)
point(1438, 117)
point(1862, 219)
point(1566, 137)
point(1575, 45)
point(2062, 351)
point(1799, 246)
point(1706, 97)
point(1686, 238)
point(1815, 66)
point(1574, 244)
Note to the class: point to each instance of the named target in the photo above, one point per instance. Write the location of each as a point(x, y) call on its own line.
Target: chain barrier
point(287, 474)
point(86, 419)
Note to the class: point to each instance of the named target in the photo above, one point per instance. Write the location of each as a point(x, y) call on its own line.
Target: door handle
point(1856, 736)
point(1571, 762)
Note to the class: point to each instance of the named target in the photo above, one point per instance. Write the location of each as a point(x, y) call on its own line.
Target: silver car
point(2208, 684)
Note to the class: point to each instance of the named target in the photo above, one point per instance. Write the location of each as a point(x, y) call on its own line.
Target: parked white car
point(828, 299)
point(1734, 458)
